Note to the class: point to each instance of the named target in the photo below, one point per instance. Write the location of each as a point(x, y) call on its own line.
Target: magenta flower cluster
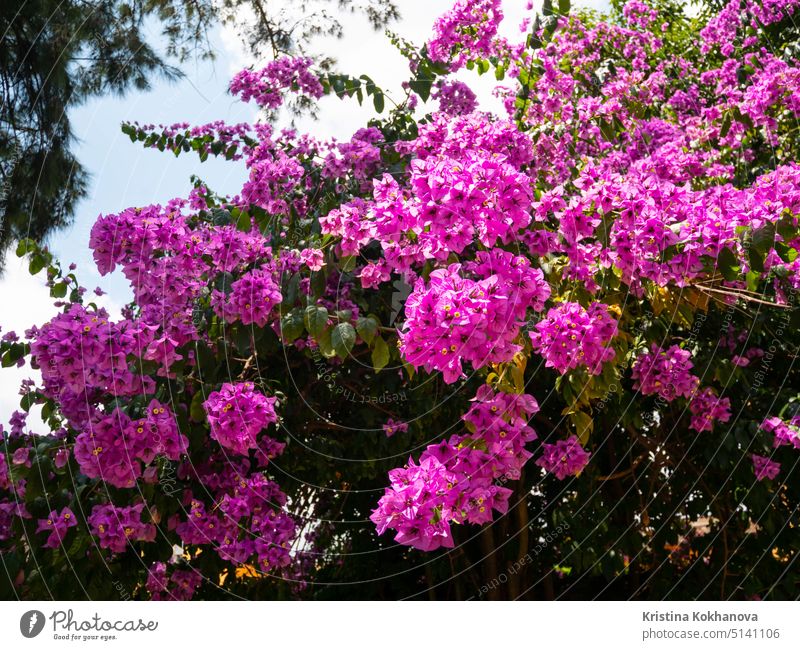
point(453, 319)
point(251, 299)
point(178, 584)
point(596, 178)
point(570, 336)
point(707, 408)
point(266, 87)
point(564, 458)
point(785, 433)
point(460, 479)
point(465, 32)
point(237, 414)
point(666, 373)
point(57, 523)
point(118, 528)
point(248, 524)
point(113, 447)
point(764, 467)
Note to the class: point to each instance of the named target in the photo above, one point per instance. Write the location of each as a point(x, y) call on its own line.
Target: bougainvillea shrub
point(543, 352)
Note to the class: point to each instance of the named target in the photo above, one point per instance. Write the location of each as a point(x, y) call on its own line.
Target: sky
point(124, 174)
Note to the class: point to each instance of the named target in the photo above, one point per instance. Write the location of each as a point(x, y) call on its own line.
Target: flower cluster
point(622, 168)
point(82, 355)
point(180, 584)
point(237, 413)
point(785, 433)
point(707, 407)
point(571, 336)
point(666, 373)
point(247, 522)
point(452, 319)
point(465, 32)
point(763, 467)
point(58, 523)
point(391, 427)
point(112, 447)
point(455, 97)
point(267, 86)
point(564, 458)
point(251, 299)
point(451, 202)
point(117, 528)
point(460, 479)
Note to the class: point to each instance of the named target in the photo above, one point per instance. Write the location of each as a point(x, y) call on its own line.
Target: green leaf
point(316, 319)
point(380, 354)
point(347, 263)
point(243, 222)
point(726, 125)
point(378, 101)
point(422, 87)
point(786, 253)
point(724, 371)
point(325, 344)
point(343, 338)
point(728, 264)
point(367, 327)
point(196, 410)
point(756, 258)
point(292, 287)
point(292, 326)
point(59, 290)
point(14, 353)
point(764, 238)
point(220, 217)
point(584, 425)
point(36, 264)
point(25, 246)
point(753, 278)
point(28, 400)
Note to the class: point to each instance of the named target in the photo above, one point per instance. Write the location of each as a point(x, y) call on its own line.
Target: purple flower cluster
point(180, 584)
point(763, 467)
point(267, 86)
point(83, 356)
point(452, 319)
point(246, 524)
point(451, 203)
point(455, 97)
point(58, 523)
point(112, 447)
point(391, 427)
point(117, 528)
point(460, 479)
point(785, 433)
point(666, 373)
point(237, 413)
point(251, 299)
point(571, 337)
point(564, 458)
point(465, 32)
point(707, 407)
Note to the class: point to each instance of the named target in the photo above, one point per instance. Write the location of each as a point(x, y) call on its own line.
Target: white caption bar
point(200, 625)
